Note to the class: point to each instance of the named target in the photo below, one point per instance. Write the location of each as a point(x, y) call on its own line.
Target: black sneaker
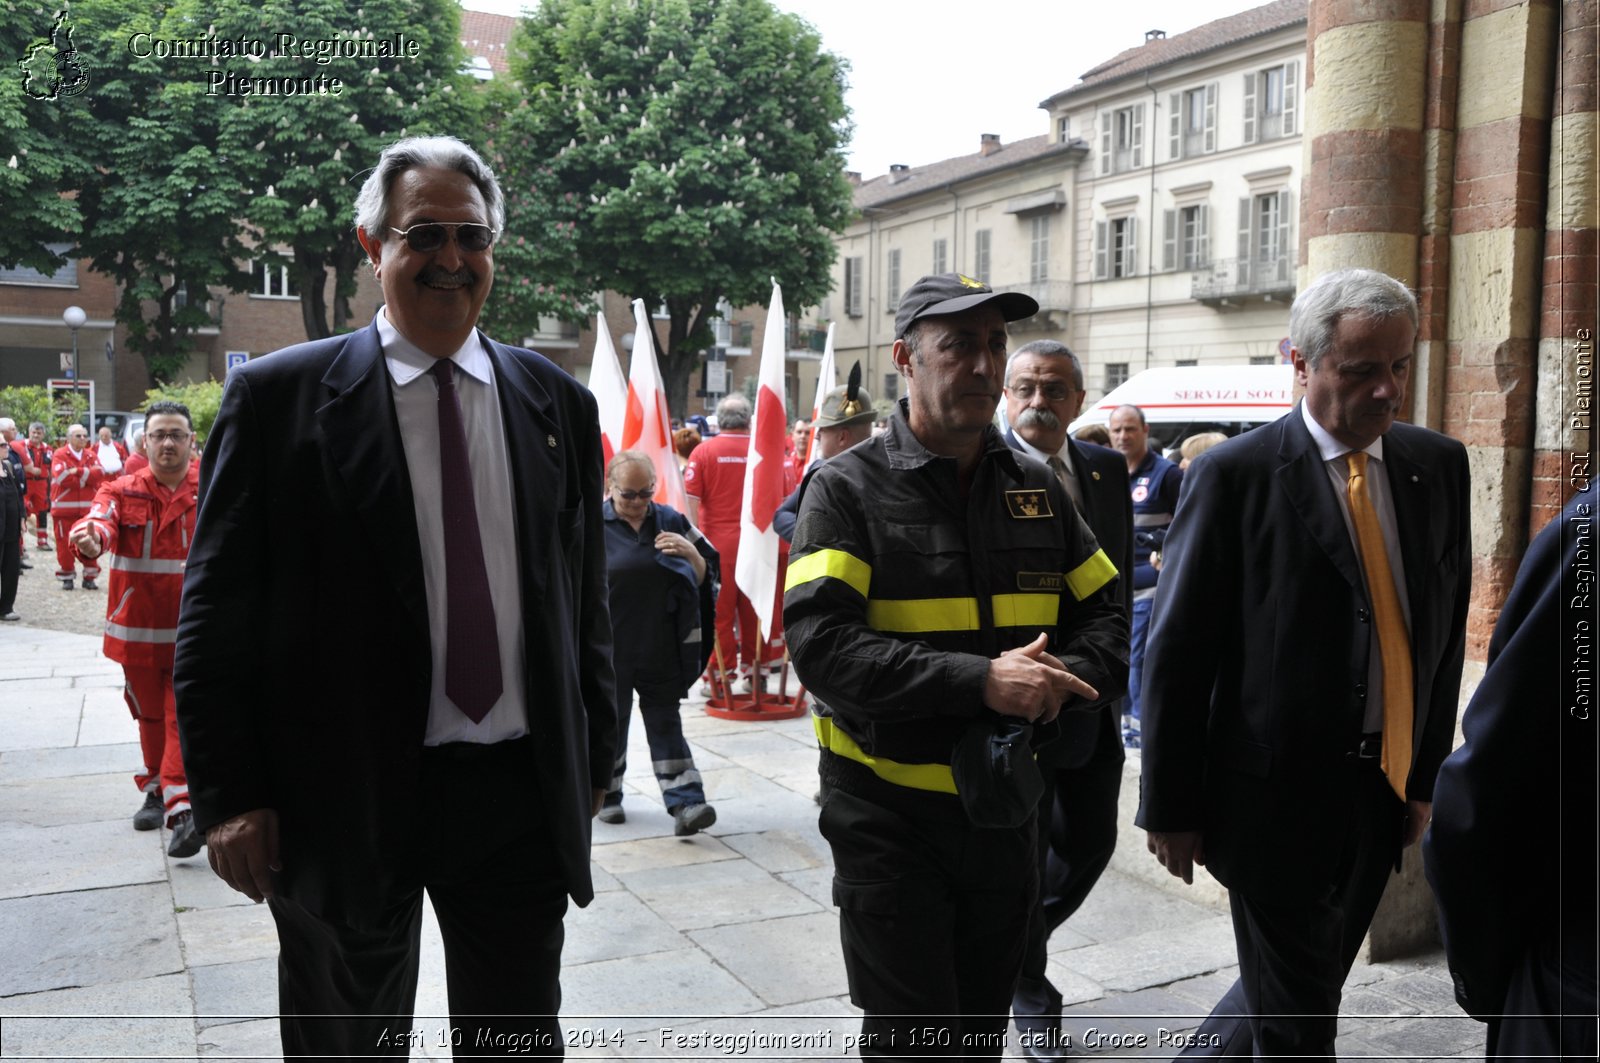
point(692, 819)
point(66, 584)
point(150, 814)
point(89, 584)
point(612, 814)
point(186, 840)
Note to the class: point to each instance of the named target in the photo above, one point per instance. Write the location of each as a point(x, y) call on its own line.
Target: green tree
point(27, 404)
point(161, 205)
point(303, 158)
point(682, 152)
point(36, 160)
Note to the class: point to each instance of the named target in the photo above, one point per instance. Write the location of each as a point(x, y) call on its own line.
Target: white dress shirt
point(1333, 460)
point(416, 404)
point(1064, 455)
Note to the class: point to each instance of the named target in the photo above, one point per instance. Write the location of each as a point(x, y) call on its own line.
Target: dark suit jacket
point(1255, 676)
point(1108, 509)
point(303, 660)
point(1523, 783)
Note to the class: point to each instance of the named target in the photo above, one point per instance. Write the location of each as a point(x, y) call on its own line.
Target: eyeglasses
point(166, 437)
point(634, 496)
point(427, 237)
point(1054, 390)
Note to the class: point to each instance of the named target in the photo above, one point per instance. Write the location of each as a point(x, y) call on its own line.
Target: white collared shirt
point(416, 404)
point(1065, 453)
point(1333, 461)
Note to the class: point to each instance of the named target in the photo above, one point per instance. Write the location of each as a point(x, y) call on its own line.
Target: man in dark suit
point(1520, 934)
point(1305, 663)
point(1082, 769)
point(419, 696)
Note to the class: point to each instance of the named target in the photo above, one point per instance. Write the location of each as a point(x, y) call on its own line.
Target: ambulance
point(1181, 401)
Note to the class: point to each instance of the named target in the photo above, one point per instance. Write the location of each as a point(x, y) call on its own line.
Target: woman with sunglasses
point(663, 586)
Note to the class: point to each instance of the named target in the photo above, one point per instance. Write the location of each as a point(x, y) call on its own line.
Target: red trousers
point(731, 603)
point(148, 692)
point(66, 559)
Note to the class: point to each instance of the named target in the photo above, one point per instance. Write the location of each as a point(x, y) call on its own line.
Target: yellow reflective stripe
point(935, 777)
point(917, 615)
point(1026, 610)
point(1091, 575)
point(831, 563)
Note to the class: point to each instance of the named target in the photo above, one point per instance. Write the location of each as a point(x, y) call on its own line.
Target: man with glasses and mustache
point(145, 522)
point(438, 717)
point(1082, 769)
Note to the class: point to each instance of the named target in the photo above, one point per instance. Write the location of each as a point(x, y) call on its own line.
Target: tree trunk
point(313, 277)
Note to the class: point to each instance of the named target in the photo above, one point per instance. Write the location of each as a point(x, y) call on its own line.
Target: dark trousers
point(932, 916)
point(485, 862)
point(670, 756)
point(1294, 954)
point(1138, 635)
point(1077, 835)
point(10, 541)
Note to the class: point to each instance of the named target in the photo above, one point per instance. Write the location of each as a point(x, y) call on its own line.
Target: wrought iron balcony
point(1050, 295)
point(1237, 279)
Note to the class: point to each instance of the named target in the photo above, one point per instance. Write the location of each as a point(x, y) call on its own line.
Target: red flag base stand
point(724, 704)
point(758, 706)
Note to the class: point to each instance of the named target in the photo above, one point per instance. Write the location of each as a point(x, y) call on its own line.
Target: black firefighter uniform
point(899, 594)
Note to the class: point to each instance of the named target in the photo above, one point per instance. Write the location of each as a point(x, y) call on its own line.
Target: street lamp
point(74, 317)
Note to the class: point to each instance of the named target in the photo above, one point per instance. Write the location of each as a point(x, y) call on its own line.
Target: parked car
point(123, 424)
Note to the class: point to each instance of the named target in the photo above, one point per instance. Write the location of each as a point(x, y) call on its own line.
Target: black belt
point(1369, 746)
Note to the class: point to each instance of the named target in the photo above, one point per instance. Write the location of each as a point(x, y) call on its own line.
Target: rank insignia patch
point(1026, 505)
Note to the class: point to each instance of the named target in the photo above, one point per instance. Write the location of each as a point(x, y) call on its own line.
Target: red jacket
point(74, 478)
point(147, 530)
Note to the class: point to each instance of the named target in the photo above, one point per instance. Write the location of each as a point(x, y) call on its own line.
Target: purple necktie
point(472, 644)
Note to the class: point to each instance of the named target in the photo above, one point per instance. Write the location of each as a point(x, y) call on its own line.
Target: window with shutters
point(1271, 102)
point(1116, 374)
point(1063, 129)
point(1115, 248)
point(1122, 139)
point(1266, 250)
point(980, 255)
point(852, 287)
point(892, 280)
point(1039, 247)
point(941, 256)
point(891, 387)
point(1192, 122)
point(1186, 238)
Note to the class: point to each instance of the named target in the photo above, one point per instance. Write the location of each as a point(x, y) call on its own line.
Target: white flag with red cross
point(610, 392)
point(756, 571)
point(646, 425)
point(827, 380)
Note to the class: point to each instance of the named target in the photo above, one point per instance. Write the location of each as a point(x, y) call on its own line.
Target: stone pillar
point(1564, 419)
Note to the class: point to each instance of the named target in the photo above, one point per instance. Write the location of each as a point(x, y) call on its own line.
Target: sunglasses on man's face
point(429, 236)
point(634, 496)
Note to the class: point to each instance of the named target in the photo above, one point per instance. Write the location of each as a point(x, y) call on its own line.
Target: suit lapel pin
point(1095, 474)
point(1413, 477)
point(550, 440)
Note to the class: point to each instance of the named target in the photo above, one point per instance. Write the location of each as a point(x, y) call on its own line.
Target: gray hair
point(36, 424)
point(413, 153)
point(1049, 349)
point(629, 457)
point(6, 422)
point(733, 413)
point(1362, 293)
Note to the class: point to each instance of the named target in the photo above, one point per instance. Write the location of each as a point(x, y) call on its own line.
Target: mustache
point(434, 275)
point(1035, 417)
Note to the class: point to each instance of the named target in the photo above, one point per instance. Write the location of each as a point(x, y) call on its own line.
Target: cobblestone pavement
point(42, 603)
point(724, 945)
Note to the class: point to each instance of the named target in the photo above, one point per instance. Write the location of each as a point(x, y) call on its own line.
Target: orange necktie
point(1394, 645)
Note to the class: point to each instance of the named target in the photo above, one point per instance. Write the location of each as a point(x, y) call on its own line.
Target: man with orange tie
point(1304, 664)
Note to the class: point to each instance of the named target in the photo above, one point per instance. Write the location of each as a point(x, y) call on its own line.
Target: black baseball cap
point(951, 293)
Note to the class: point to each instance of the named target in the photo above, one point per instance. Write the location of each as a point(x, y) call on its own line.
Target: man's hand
point(244, 852)
point(1418, 813)
point(87, 543)
point(1031, 683)
point(1178, 851)
point(598, 799)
